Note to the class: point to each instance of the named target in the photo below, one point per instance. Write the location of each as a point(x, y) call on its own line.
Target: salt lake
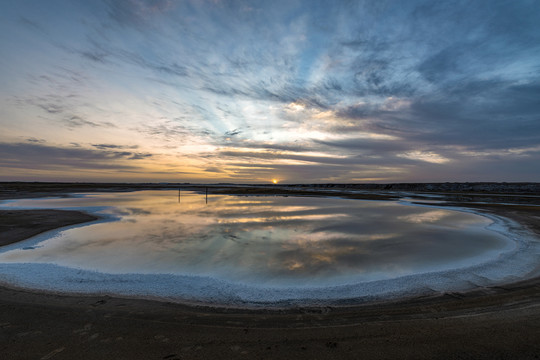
point(261, 249)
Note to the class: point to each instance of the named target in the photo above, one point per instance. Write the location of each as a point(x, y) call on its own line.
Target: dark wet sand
point(18, 225)
point(487, 323)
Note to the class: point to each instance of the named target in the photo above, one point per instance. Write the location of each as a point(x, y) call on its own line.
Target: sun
point(274, 181)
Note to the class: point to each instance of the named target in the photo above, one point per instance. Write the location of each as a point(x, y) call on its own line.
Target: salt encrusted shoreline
point(511, 265)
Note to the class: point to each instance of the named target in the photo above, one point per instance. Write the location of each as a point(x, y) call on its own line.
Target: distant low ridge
point(12, 189)
point(499, 187)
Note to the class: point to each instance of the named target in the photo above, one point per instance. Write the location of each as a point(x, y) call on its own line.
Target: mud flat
point(485, 322)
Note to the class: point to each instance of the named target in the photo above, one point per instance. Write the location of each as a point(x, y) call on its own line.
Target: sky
point(250, 91)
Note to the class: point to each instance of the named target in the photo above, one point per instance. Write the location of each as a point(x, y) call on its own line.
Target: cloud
point(176, 132)
point(36, 141)
point(136, 12)
point(32, 25)
point(40, 156)
point(285, 156)
point(233, 132)
point(52, 108)
point(373, 146)
point(214, 169)
point(138, 156)
point(75, 121)
point(298, 147)
point(94, 55)
point(341, 92)
point(113, 146)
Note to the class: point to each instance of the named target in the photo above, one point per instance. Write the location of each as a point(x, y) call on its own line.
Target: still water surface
point(275, 241)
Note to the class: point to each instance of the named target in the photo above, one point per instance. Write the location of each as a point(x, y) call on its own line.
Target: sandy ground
point(22, 224)
point(493, 322)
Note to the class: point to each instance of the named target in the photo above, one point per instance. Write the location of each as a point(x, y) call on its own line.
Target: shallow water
point(261, 241)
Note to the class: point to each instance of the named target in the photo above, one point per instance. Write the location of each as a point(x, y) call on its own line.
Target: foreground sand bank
point(499, 321)
point(17, 225)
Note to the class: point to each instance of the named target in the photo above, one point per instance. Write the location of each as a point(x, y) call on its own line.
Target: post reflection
point(275, 240)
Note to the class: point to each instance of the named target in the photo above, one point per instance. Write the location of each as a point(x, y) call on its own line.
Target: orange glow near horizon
point(275, 181)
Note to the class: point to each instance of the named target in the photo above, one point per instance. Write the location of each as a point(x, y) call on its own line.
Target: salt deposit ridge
point(516, 262)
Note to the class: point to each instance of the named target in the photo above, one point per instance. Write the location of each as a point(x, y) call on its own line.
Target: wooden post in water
point(206, 194)
point(179, 195)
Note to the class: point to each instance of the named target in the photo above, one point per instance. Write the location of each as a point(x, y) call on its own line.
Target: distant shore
point(12, 190)
point(499, 321)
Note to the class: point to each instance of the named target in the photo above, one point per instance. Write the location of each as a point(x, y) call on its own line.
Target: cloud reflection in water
point(271, 240)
